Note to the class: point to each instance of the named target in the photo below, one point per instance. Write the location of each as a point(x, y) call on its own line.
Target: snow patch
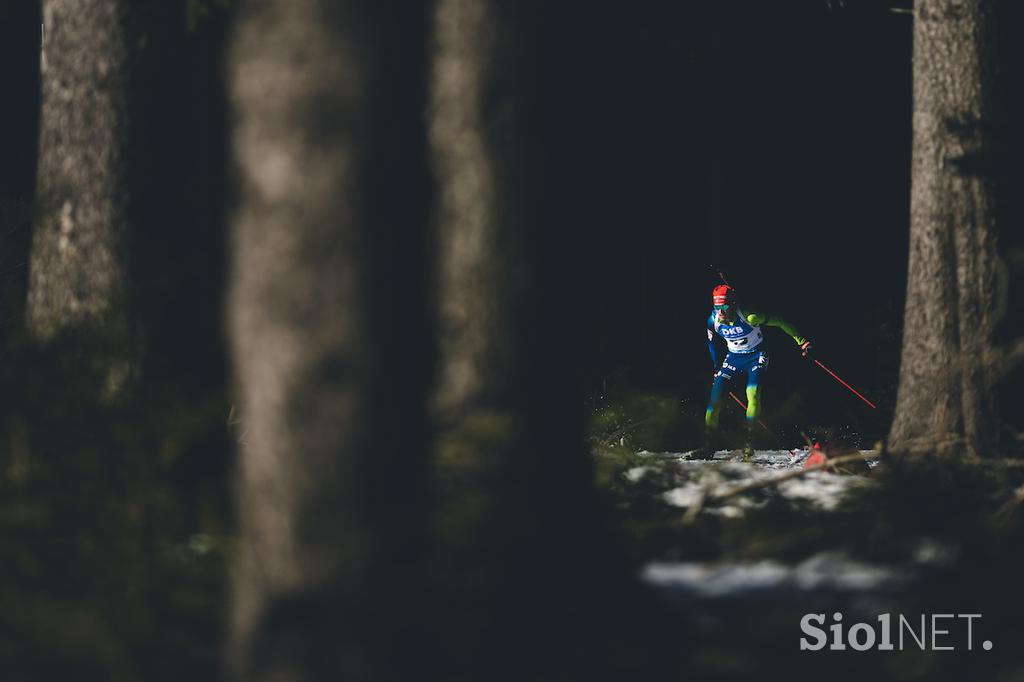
point(636, 473)
point(694, 479)
point(823, 489)
point(685, 496)
point(833, 571)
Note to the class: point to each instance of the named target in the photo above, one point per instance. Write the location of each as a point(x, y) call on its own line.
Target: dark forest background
point(768, 141)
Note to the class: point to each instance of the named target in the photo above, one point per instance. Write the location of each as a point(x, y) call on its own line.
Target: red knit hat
point(723, 294)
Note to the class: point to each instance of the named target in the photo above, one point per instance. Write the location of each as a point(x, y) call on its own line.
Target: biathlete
point(741, 330)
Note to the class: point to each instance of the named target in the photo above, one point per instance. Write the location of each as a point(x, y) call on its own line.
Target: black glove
point(805, 349)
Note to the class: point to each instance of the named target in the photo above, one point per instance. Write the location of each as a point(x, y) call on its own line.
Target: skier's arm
point(772, 321)
point(711, 343)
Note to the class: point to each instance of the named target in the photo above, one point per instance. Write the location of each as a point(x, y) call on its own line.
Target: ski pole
point(741, 404)
point(844, 383)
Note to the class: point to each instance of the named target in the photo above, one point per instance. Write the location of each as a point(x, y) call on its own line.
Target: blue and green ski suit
point(747, 353)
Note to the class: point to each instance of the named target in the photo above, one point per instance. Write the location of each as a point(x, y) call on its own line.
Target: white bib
point(740, 335)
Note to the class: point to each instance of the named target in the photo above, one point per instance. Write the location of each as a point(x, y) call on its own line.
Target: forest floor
point(739, 561)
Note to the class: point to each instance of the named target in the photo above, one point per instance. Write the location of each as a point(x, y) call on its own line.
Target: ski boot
point(748, 452)
point(706, 451)
point(748, 447)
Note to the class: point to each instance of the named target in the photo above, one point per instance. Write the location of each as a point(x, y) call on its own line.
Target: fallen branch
point(695, 508)
point(1005, 513)
point(621, 431)
point(782, 478)
point(691, 514)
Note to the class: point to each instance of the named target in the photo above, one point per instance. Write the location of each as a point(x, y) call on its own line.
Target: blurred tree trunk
point(480, 142)
point(78, 271)
point(526, 577)
point(956, 293)
point(329, 338)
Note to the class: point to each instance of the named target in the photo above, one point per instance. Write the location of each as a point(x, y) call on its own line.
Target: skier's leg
point(715, 404)
point(718, 391)
point(753, 411)
point(707, 450)
point(754, 376)
point(753, 403)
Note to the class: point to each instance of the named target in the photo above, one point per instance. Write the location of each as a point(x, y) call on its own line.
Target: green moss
point(93, 489)
point(466, 443)
point(643, 421)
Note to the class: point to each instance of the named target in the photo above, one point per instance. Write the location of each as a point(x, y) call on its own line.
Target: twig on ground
point(706, 494)
point(1005, 513)
point(775, 480)
point(623, 430)
point(691, 513)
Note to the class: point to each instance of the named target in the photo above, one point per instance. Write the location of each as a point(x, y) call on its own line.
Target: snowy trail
point(763, 459)
point(685, 483)
point(822, 489)
point(825, 571)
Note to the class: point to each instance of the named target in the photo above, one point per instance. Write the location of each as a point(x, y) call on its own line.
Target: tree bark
point(955, 288)
point(329, 337)
point(78, 274)
point(479, 139)
point(517, 511)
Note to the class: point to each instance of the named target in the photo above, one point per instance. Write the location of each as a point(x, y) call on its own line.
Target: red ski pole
point(741, 404)
point(845, 384)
